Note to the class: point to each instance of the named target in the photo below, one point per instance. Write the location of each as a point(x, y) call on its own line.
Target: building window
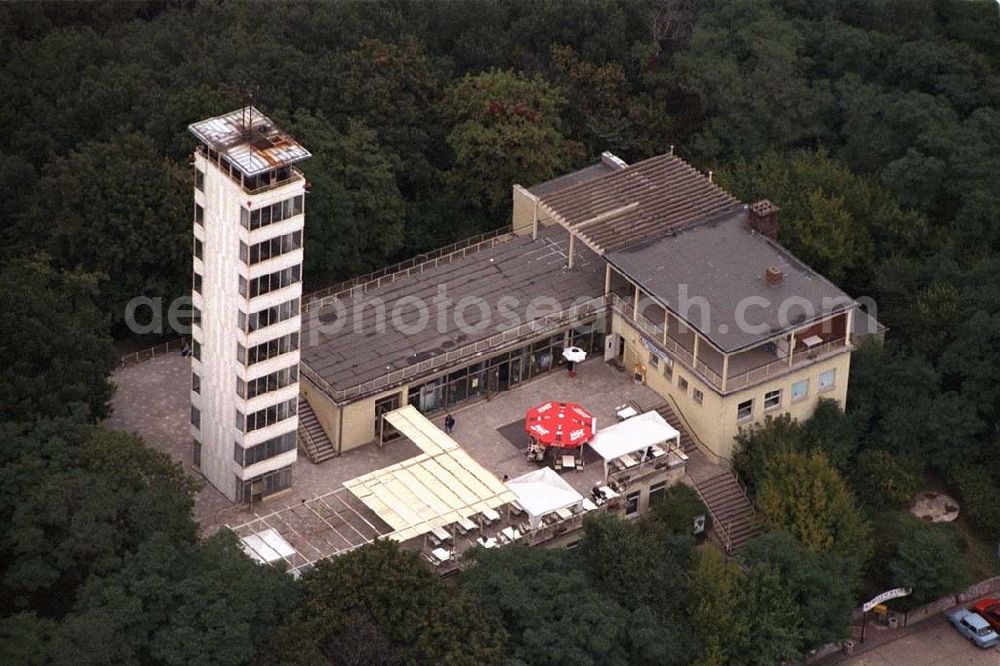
point(244, 252)
point(263, 451)
point(195, 417)
point(668, 368)
point(744, 410)
point(271, 282)
point(195, 316)
point(196, 283)
point(195, 382)
point(800, 390)
point(827, 380)
point(656, 492)
point(199, 214)
point(772, 399)
point(682, 383)
point(271, 248)
point(270, 349)
point(271, 214)
point(632, 503)
point(654, 360)
point(699, 397)
point(268, 416)
point(272, 382)
point(199, 180)
point(264, 485)
point(272, 315)
point(196, 349)
point(199, 248)
point(196, 454)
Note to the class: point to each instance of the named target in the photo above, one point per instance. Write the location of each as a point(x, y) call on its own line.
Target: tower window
point(199, 180)
point(199, 214)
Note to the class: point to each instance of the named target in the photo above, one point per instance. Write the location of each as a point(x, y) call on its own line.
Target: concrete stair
point(670, 416)
point(733, 516)
point(734, 519)
point(313, 441)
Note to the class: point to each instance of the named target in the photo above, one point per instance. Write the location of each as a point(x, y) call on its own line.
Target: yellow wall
point(327, 413)
point(524, 210)
point(522, 221)
point(359, 417)
point(714, 420)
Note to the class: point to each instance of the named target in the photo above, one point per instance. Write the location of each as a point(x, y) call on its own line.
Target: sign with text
point(885, 596)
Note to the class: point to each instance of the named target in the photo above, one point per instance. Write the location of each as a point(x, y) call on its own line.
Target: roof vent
point(773, 276)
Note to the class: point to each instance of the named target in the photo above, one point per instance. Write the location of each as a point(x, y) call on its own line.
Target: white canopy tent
point(267, 547)
point(542, 492)
point(438, 487)
point(633, 435)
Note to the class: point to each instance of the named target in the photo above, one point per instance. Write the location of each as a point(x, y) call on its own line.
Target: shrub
point(805, 496)
point(929, 561)
point(882, 480)
point(676, 511)
point(980, 497)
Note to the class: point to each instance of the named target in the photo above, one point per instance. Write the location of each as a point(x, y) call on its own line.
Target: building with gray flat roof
point(720, 269)
point(650, 266)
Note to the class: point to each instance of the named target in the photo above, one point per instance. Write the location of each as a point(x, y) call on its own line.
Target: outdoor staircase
point(670, 416)
point(312, 438)
point(732, 514)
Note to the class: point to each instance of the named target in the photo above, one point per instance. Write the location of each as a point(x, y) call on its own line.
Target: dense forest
point(873, 124)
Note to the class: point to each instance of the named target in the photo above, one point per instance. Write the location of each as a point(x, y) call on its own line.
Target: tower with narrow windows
point(247, 289)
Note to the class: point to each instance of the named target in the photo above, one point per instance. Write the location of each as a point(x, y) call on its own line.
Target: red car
point(990, 610)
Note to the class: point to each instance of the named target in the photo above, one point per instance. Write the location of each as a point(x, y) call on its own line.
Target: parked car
point(974, 627)
point(990, 610)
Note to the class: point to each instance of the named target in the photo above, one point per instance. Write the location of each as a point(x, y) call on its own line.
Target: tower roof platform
point(250, 140)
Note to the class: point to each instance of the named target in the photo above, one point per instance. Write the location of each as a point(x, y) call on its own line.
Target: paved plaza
point(152, 400)
point(933, 642)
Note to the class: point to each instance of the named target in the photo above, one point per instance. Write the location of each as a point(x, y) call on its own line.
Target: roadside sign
point(885, 596)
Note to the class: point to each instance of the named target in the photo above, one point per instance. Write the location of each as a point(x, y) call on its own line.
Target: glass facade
point(263, 485)
point(506, 370)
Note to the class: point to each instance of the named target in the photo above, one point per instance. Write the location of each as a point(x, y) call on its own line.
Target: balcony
point(727, 372)
point(264, 182)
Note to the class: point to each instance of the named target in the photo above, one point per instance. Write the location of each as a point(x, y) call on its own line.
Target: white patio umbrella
point(574, 354)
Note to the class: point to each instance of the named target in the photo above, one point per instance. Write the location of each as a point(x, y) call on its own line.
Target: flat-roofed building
point(651, 266)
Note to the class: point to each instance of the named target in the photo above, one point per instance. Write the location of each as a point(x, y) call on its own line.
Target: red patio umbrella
point(560, 424)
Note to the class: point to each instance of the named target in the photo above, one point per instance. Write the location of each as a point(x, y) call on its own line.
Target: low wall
point(971, 593)
point(917, 615)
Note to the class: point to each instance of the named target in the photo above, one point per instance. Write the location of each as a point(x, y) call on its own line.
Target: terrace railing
point(487, 345)
point(781, 365)
point(168, 347)
point(655, 331)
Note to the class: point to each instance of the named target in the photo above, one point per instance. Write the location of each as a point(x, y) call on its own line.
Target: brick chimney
point(763, 218)
point(773, 276)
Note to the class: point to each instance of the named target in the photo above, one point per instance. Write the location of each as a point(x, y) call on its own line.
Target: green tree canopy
point(119, 209)
point(505, 128)
point(379, 604)
point(554, 615)
point(805, 496)
point(56, 355)
point(823, 586)
point(929, 562)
